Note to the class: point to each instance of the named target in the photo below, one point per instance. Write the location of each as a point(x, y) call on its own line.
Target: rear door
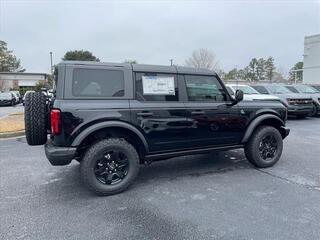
point(210, 120)
point(157, 110)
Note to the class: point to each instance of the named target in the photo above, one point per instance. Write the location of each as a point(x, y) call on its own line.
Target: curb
point(5, 135)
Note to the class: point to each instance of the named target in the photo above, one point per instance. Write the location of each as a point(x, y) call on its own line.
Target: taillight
point(55, 121)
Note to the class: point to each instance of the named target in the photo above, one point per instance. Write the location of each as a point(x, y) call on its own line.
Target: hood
point(250, 97)
point(292, 95)
point(314, 95)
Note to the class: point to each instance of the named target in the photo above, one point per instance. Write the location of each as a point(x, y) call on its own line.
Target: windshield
point(5, 95)
point(306, 89)
point(276, 89)
point(246, 89)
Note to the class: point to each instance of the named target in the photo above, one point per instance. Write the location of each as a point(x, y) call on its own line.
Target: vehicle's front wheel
point(314, 110)
point(110, 166)
point(264, 148)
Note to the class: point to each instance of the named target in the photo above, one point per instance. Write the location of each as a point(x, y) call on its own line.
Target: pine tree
point(269, 68)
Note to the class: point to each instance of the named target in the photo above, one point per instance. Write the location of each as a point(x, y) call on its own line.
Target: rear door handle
point(197, 113)
point(144, 114)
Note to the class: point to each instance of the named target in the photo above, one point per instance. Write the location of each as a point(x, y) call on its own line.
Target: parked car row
point(300, 100)
point(7, 98)
point(10, 98)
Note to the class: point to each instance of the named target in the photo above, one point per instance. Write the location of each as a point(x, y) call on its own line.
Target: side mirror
point(238, 96)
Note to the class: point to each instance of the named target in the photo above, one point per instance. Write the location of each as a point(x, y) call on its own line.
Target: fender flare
point(252, 126)
point(86, 132)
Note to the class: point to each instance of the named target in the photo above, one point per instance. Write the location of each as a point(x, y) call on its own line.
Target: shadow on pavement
point(68, 183)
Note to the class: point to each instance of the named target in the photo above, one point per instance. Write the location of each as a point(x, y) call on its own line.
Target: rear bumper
point(59, 156)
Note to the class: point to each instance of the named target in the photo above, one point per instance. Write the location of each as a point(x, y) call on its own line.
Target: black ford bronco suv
point(114, 117)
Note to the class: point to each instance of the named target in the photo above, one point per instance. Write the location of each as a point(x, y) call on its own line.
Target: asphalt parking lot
point(195, 197)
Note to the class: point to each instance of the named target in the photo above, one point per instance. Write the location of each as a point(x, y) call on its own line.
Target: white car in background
point(16, 97)
point(249, 93)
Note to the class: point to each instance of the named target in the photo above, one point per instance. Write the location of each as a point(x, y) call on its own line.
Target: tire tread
point(36, 118)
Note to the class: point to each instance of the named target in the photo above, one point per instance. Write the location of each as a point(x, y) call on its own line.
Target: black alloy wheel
point(264, 147)
point(112, 167)
point(268, 147)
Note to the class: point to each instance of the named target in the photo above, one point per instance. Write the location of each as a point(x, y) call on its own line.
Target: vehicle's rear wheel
point(36, 119)
point(264, 148)
point(110, 166)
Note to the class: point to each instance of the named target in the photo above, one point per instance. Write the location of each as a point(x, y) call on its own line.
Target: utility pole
point(171, 62)
point(51, 70)
point(51, 63)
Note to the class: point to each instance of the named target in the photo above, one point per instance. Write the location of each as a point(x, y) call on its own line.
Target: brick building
point(20, 80)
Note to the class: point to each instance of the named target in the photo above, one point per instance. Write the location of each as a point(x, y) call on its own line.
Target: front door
point(211, 119)
point(158, 112)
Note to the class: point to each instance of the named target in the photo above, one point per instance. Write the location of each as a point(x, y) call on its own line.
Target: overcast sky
point(154, 32)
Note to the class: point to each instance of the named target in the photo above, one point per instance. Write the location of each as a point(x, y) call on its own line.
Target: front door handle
point(144, 114)
point(197, 113)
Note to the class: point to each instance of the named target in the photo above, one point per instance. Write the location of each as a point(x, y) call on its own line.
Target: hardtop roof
point(146, 67)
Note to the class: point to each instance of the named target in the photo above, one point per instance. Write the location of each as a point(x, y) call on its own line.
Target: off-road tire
point(90, 158)
point(36, 118)
point(252, 147)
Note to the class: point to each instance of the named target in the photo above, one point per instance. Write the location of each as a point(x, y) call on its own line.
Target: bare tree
point(203, 58)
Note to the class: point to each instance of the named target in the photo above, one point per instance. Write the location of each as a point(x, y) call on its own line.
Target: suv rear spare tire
point(36, 118)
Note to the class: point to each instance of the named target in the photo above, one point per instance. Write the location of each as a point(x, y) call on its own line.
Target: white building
point(311, 60)
point(20, 80)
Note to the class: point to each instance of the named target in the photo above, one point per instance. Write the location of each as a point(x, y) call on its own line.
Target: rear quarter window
point(97, 83)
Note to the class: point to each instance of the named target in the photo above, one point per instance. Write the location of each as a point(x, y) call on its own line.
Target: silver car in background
point(250, 94)
point(297, 104)
point(310, 92)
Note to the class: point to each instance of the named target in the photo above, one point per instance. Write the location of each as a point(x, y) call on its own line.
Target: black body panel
point(165, 129)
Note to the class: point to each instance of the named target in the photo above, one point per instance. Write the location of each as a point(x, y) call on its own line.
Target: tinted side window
point(97, 83)
point(156, 87)
point(261, 89)
point(204, 88)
